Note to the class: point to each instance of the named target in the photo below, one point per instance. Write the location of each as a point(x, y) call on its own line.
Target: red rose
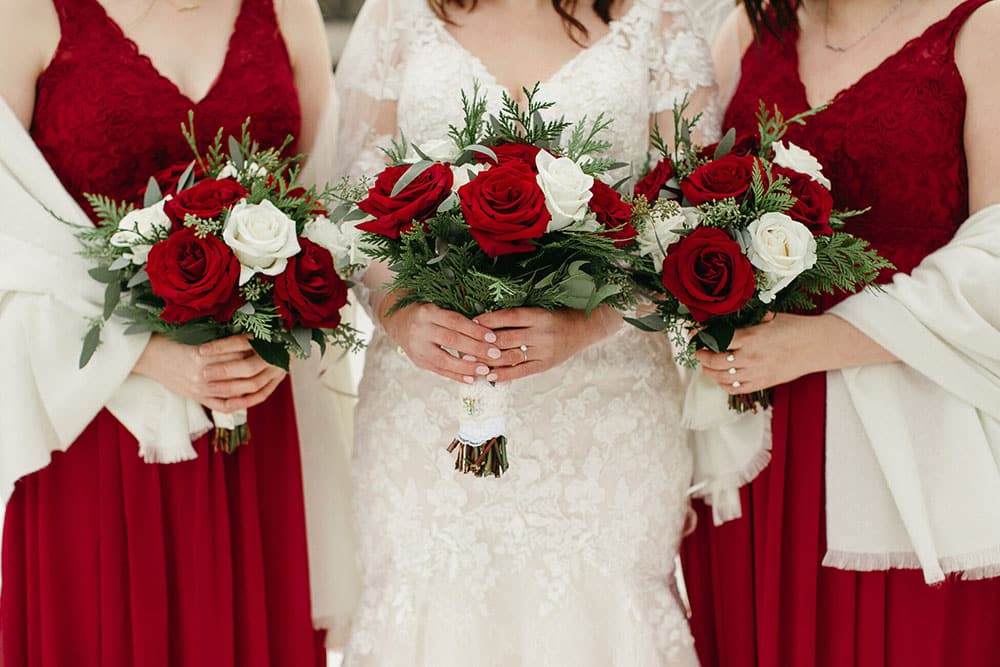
point(748, 144)
point(309, 292)
point(207, 199)
point(168, 178)
point(729, 176)
point(708, 272)
point(505, 208)
point(612, 213)
point(507, 152)
point(418, 201)
point(195, 277)
point(651, 184)
point(814, 203)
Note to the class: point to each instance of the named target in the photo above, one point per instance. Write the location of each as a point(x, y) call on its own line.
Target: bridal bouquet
point(234, 246)
point(738, 230)
point(503, 214)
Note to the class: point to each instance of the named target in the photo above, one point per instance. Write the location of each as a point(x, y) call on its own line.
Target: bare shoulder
point(977, 50)
point(734, 38)
point(297, 14)
point(29, 35)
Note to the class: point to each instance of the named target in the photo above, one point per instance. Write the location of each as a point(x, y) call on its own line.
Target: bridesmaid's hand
point(225, 375)
point(548, 337)
point(785, 347)
point(423, 331)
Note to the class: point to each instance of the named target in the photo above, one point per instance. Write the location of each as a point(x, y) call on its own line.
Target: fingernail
point(482, 370)
point(490, 337)
point(205, 349)
point(468, 379)
point(476, 321)
point(468, 357)
point(493, 353)
point(492, 377)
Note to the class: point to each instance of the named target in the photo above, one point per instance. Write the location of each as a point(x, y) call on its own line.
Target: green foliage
point(773, 126)
point(526, 125)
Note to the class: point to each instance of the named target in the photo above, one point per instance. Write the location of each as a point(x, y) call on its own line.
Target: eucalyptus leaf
point(153, 193)
point(187, 178)
point(90, 343)
point(722, 334)
point(726, 143)
point(483, 150)
point(236, 153)
point(119, 264)
point(246, 309)
point(103, 274)
point(303, 338)
point(709, 341)
point(409, 176)
point(138, 279)
point(450, 202)
point(356, 214)
point(273, 353)
point(112, 297)
point(137, 328)
point(194, 334)
point(602, 294)
point(319, 338)
point(341, 211)
point(421, 154)
point(650, 323)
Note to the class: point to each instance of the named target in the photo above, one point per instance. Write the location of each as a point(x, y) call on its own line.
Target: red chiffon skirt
point(112, 562)
point(760, 598)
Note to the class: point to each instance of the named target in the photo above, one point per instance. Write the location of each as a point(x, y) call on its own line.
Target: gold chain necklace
point(848, 47)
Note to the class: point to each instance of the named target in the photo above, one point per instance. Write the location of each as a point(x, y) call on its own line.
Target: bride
point(568, 559)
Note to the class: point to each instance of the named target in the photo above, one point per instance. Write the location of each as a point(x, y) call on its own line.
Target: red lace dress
point(892, 141)
point(109, 561)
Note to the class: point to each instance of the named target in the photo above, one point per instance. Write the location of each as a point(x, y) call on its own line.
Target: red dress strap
point(954, 21)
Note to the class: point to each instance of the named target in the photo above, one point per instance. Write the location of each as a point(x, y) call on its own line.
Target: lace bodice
point(886, 142)
point(401, 56)
point(98, 82)
point(569, 558)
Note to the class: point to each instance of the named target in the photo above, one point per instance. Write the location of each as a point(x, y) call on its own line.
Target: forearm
point(834, 344)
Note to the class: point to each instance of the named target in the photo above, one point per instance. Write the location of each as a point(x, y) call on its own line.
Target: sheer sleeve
point(681, 65)
point(368, 77)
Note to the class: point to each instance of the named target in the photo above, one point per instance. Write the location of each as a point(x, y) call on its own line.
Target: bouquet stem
point(231, 431)
point(481, 443)
point(752, 402)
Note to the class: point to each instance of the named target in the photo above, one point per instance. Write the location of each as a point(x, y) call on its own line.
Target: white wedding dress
point(568, 559)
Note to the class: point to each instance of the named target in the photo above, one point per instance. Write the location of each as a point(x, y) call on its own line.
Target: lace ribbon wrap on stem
point(481, 442)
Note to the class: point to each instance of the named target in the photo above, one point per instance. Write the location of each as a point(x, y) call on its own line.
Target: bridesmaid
point(910, 130)
point(109, 561)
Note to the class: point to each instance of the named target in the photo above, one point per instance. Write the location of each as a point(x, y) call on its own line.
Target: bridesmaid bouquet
point(226, 245)
point(500, 215)
point(738, 230)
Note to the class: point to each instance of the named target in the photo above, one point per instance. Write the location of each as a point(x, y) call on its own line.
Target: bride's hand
point(548, 337)
point(225, 375)
point(423, 330)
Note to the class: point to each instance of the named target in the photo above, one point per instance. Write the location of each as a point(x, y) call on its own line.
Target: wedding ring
point(731, 358)
point(524, 353)
point(732, 371)
point(736, 384)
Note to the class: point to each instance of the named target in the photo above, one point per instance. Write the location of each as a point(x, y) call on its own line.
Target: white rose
point(262, 237)
point(800, 160)
point(566, 189)
point(660, 230)
point(141, 228)
point(781, 248)
point(462, 175)
point(343, 241)
point(252, 170)
point(439, 150)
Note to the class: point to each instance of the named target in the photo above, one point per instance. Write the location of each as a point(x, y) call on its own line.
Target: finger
point(514, 357)
point(511, 318)
point(510, 339)
point(723, 377)
point(463, 325)
point(217, 404)
point(510, 373)
point(717, 361)
point(255, 398)
point(767, 318)
point(463, 344)
point(245, 367)
point(744, 388)
point(240, 343)
point(243, 386)
point(438, 360)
